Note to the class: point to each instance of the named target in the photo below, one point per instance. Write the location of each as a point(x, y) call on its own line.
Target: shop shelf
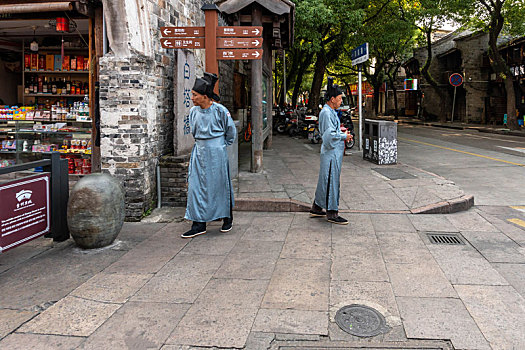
point(53, 95)
point(56, 72)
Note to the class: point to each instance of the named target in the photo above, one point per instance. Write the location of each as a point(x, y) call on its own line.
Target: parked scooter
point(348, 124)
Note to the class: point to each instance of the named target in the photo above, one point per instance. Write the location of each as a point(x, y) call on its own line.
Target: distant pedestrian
point(332, 150)
point(210, 191)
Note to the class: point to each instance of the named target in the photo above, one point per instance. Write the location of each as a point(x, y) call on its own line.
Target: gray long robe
point(332, 150)
point(210, 191)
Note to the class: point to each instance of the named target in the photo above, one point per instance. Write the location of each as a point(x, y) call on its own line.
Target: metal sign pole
point(454, 103)
point(360, 102)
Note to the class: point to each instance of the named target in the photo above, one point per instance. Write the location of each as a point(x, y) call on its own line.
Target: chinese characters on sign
point(247, 39)
point(187, 98)
point(24, 210)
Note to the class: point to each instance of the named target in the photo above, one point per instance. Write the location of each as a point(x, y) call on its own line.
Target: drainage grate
point(361, 321)
point(394, 173)
point(442, 238)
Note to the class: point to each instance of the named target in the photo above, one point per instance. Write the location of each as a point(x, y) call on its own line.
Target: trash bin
point(380, 141)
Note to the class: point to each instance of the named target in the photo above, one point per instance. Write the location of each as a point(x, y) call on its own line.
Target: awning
point(37, 7)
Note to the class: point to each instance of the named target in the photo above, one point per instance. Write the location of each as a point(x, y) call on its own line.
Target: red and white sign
point(239, 54)
point(182, 43)
point(239, 43)
point(239, 31)
point(24, 210)
point(182, 31)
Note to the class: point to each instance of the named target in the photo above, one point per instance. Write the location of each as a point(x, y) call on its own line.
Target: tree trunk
point(500, 67)
point(299, 80)
point(394, 90)
point(315, 91)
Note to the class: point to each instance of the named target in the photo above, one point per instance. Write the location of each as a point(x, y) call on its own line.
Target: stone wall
point(137, 93)
point(173, 173)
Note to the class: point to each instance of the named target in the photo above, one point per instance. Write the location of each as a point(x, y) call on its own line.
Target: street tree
point(496, 17)
point(325, 26)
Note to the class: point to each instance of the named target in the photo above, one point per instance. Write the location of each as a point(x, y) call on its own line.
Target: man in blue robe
point(210, 190)
point(332, 150)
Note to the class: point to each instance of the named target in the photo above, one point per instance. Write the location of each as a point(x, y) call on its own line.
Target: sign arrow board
point(239, 43)
point(182, 43)
point(360, 54)
point(240, 54)
point(239, 31)
point(182, 31)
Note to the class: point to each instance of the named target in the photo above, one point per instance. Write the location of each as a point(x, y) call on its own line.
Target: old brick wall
point(136, 94)
point(475, 79)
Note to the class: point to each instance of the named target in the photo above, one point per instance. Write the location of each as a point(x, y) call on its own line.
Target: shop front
point(48, 73)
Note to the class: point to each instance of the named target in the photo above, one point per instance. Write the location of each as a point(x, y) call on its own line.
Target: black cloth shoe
point(198, 228)
point(227, 225)
point(316, 211)
point(338, 220)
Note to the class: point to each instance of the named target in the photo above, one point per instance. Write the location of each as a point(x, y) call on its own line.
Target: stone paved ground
point(275, 281)
point(292, 168)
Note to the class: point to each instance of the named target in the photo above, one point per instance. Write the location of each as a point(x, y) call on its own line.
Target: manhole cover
point(361, 321)
point(394, 173)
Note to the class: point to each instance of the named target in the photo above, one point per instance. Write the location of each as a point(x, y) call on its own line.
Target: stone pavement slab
point(137, 325)
point(181, 280)
point(299, 284)
point(441, 318)
point(21, 341)
point(111, 288)
point(12, 319)
point(71, 316)
point(291, 321)
point(498, 311)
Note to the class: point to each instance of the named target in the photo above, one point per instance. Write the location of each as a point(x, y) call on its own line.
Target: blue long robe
point(332, 150)
point(210, 191)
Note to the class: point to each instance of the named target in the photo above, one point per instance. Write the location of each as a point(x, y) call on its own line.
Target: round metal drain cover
point(361, 321)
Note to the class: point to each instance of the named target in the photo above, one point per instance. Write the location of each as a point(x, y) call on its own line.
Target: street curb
point(462, 203)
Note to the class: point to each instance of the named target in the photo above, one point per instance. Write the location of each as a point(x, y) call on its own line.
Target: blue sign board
point(360, 54)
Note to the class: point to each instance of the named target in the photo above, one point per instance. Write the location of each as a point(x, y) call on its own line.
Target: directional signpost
point(181, 32)
point(360, 55)
point(227, 43)
point(240, 54)
point(182, 43)
point(239, 43)
point(455, 80)
point(233, 43)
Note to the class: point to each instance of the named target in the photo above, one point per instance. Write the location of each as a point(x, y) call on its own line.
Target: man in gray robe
point(332, 150)
point(210, 190)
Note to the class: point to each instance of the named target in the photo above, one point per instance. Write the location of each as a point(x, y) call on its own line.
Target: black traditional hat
point(212, 80)
point(332, 90)
point(201, 86)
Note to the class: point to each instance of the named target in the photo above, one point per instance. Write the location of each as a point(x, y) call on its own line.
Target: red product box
point(73, 64)
point(65, 63)
point(80, 62)
point(41, 62)
point(27, 61)
point(34, 61)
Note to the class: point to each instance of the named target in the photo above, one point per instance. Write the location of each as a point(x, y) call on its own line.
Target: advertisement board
point(24, 210)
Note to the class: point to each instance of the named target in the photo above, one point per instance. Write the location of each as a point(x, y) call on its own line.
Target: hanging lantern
point(62, 25)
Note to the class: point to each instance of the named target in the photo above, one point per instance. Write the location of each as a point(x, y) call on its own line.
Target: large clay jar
point(95, 211)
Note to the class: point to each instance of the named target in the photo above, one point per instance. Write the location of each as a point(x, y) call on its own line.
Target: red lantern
point(62, 25)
